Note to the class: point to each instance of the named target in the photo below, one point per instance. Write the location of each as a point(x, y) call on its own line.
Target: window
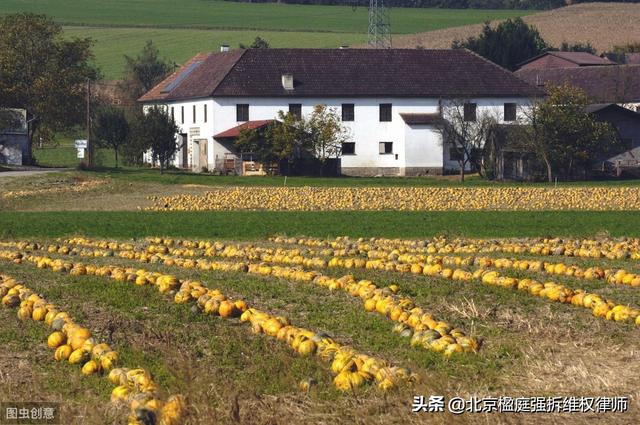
point(242, 112)
point(348, 148)
point(470, 111)
point(295, 109)
point(385, 112)
point(205, 112)
point(194, 114)
point(455, 154)
point(182, 115)
point(348, 112)
point(510, 111)
point(172, 117)
point(386, 148)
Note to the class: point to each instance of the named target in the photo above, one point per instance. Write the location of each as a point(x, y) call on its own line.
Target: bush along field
point(163, 330)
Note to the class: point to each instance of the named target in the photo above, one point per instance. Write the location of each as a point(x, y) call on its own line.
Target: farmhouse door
point(202, 155)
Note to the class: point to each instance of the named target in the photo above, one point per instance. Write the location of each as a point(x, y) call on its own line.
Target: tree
point(43, 72)
point(464, 131)
point(256, 142)
point(10, 119)
point(618, 54)
point(157, 130)
point(564, 136)
point(111, 128)
point(289, 137)
point(577, 47)
point(326, 133)
point(258, 43)
point(145, 71)
point(510, 43)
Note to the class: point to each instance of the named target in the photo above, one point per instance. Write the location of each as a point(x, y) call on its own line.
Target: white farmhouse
point(389, 99)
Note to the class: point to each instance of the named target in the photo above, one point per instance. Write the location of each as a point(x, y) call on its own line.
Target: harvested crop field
point(314, 330)
point(604, 25)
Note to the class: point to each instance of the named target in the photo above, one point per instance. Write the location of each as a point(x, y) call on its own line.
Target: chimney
point(224, 47)
point(287, 81)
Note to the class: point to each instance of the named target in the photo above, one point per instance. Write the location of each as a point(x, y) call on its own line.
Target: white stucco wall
point(413, 146)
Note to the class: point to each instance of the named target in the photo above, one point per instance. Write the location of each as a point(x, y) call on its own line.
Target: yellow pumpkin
point(56, 339)
point(62, 352)
point(78, 356)
point(119, 393)
point(90, 367)
point(227, 309)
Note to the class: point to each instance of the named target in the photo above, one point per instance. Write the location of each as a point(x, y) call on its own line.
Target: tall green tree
point(111, 128)
point(565, 137)
point(43, 72)
point(157, 130)
point(508, 44)
point(146, 70)
point(289, 137)
point(326, 133)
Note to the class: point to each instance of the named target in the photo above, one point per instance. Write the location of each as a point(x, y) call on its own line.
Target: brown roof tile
point(346, 73)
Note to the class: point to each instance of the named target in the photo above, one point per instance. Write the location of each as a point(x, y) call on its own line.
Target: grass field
point(122, 27)
point(232, 15)
point(179, 45)
point(260, 224)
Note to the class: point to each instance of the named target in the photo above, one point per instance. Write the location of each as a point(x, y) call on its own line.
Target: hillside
point(602, 24)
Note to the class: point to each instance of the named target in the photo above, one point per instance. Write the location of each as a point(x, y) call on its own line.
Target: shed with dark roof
point(549, 60)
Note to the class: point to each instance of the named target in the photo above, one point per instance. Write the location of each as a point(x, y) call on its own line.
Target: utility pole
point(89, 159)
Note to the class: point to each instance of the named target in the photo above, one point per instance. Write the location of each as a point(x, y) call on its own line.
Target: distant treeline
point(448, 4)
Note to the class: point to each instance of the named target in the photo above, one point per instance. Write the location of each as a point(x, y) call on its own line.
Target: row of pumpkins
point(297, 257)
point(351, 369)
point(75, 344)
point(402, 199)
point(608, 248)
point(439, 336)
point(436, 266)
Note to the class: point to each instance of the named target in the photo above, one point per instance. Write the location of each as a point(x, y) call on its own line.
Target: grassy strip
point(241, 225)
point(145, 175)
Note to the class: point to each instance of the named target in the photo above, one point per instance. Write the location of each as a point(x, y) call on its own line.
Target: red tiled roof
point(234, 132)
point(603, 84)
point(346, 73)
point(421, 119)
point(199, 82)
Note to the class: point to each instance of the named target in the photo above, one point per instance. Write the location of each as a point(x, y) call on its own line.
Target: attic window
point(287, 81)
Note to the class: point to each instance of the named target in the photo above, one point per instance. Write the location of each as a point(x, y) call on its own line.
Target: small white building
point(390, 100)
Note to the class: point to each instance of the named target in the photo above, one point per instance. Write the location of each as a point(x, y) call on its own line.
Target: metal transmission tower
point(379, 25)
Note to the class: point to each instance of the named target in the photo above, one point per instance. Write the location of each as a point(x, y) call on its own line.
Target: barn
point(388, 98)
